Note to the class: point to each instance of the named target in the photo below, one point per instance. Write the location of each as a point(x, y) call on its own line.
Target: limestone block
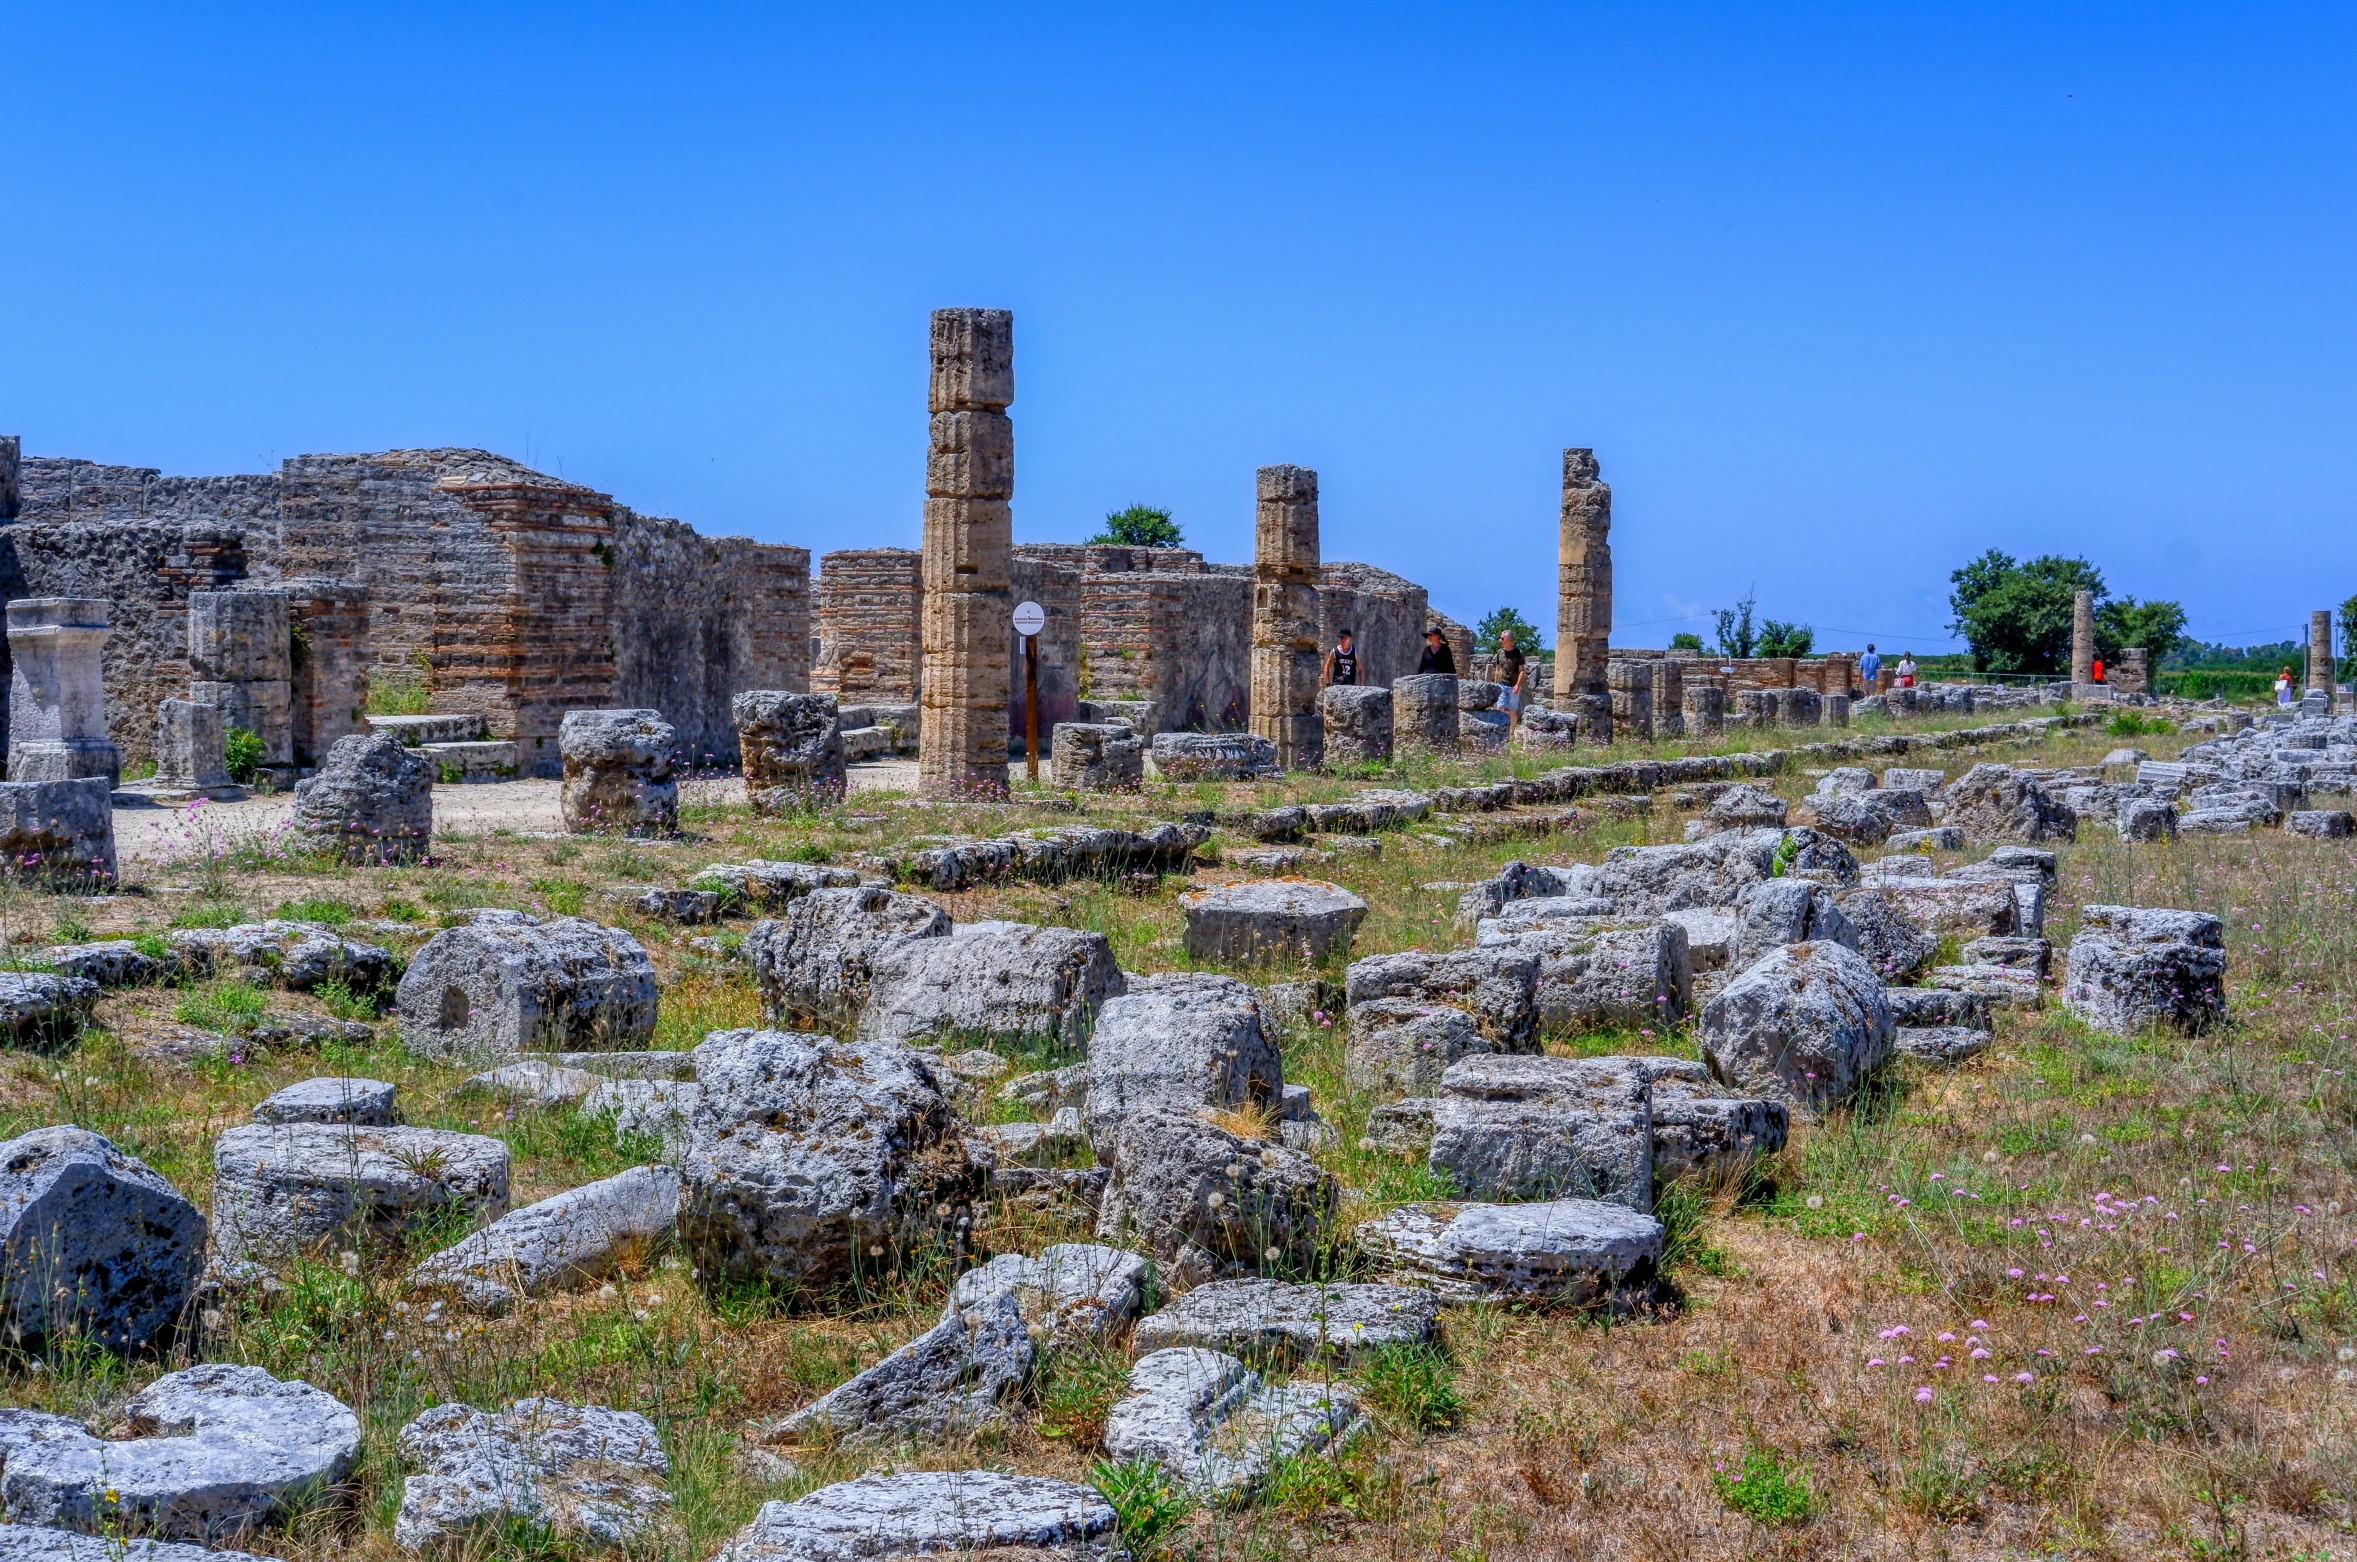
point(295, 955)
point(659, 1109)
point(618, 772)
point(950, 1381)
point(1511, 1128)
point(1835, 711)
point(1799, 708)
point(1943, 837)
point(952, 1512)
point(2319, 824)
point(971, 456)
point(239, 636)
point(44, 1008)
point(1997, 803)
point(579, 1472)
point(227, 1449)
point(1574, 1251)
point(472, 764)
point(1177, 1044)
point(1424, 710)
point(1208, 1421)
point(1484, 729)
point(1096, 756)
point(1497, 986)
point(189, 745)
point(2131, 968)
point(1212, 756)
point(792, 745)
point(685, 907)
point(1275, 1322)
point(2021, 954)
point(39, 1543)
point(281, 1189)
point(991, 982)
point(57, 696)
point(1478, 694)
point(813, 965)
point(1630, 686)
point(534, 1082)
point(805, 1153)
point(1746, 807)
point(330, 1100)
point(973, 359)
point(493, 992)
point(264, 709)
point(1072, 1294)
point(112, 962)
point(372, 801)
point(1804, 1025)
point(1788, 911)
point(1594, 974)
point(580, 1234)
point(1705, 707)
point(761, 885)
point(1895, 947)
point(1902, 779)
point(1920, 1007)
point(1703, 1130)
point(969, 547)
point(91, 1241)
point(1397, 1046)
point(1273, 921)
point(1207, 1203)
point(1942, 907)
point(1940, 1044)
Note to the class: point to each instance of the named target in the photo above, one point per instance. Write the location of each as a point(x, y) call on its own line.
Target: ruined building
point(509, 593)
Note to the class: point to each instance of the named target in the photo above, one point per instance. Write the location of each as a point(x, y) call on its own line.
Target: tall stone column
point(2083, 637)
point(1583, 585)
point(1284, 690)
point(968, 556)
point(239, 647)
point(2320, 652)
point(57, 694)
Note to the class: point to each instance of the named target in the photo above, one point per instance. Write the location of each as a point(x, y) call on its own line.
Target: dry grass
point(2193, 1192)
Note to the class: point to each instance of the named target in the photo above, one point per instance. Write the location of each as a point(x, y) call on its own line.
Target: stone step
point(485, 760)
point(413, 731)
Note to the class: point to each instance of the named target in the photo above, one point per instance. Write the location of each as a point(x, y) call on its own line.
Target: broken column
point(238, 644)
point(57, 698)
point(1669, 698)
point(189, 751)
point(1630, 687)
point(968, 555)
point(1583, 600)
point(11, 466)
point(2083, 637)
point(1284, 694)
point(2320, 652)
point(1705, 708)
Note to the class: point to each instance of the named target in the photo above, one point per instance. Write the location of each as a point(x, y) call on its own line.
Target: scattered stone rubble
point(946, 1511)
point(618, 772)
point(792, 746)
point(284, 1189)
point(91, 1241)
point(371, 802)
point(580, 1234)
point(1208, 1420)
point(581, 1472)
point(500, 987)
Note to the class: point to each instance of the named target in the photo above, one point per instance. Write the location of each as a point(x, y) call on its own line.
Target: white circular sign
point(1030, 618)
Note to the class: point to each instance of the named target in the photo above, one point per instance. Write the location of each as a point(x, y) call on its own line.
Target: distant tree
point(1685, 640)
point(2017, 616)
point(1780, 639)
point(1737, 639)
point(1140, 526)
point(2159, 627)
point(2349, 640)
point(1526, 634)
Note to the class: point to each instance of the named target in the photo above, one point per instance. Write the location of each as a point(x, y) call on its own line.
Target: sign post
point(1030, 619)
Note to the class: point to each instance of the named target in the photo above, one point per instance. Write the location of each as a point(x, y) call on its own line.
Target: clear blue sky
point(1841, 295)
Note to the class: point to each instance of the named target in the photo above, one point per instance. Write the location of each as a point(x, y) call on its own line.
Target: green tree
point(1140, 526)
point(1782, 639)
point(1526, 633)
point(1736, 636)
point(2017, 617)
point(2159, 627)
point(1686, 640)
point(2349, 640)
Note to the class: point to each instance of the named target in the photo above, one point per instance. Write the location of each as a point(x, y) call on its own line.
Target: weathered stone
point(952, 1380)
point(1072, 1294)
point(1583, 590)
point(1397, 1046)
point(792, 745)
point(43, 1008)
point(685, 907)
point(2131, 968)
point(1943, 907)
point(221, 1450)
point(2147, 819)
point(1271, 1321)
point(1943, 1044)
point(281, 1189)
point(1703, 1130)
point(618, 772)
point(1285, 638)
point(1933, 1007)
point(372, 801)
point(60, 831)
point(2319, 824)
point(1358, 723)
point(1944, 837)
point(1575, 1251)
point(1208, 1421)
point(1205, 1202)
point(1746, 807)
point(39, 1543)
point(534, 1082)
point(580, 1234)
point(1050, 1090)
point(1997, 803)
point(1097, 756)
point(493, 992)
point(1894, 946)
point(190, 750)
point(297, 955)
point(2020, 954)
point(1497, 986)
point(883, 1517)
point(1788, 911)
point(2002, 984)
point(57, 700)
point(580, 1472)
point(1176, 1044)
point(113, 962)
point(814, 964)
point(661, 1109)
point(1277, 921)
point(1424, 711)
point(1596, 974)
point(368, 1102)
point(92, 1243)
point(1805, 1025)
point(1901, 778)
point(968, 546)
point(806, 1153)
point(990, 982)
point(1212, 756)
point(1545, 1128)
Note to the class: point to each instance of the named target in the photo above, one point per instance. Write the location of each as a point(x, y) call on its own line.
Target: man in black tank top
point(1342, 663)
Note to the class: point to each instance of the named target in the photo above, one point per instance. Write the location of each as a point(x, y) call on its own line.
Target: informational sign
point(1030, 618)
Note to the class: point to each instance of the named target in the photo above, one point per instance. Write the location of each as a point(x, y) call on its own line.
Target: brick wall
point(1181, 640)
point(867, 626)
point(1387, 613)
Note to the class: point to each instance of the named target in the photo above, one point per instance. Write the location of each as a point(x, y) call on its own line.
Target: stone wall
point(697, 620)
point(1385, 613)
point(867, 626)
point(1056, 588)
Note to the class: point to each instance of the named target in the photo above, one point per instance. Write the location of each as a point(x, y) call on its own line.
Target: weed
point(1412, 1386)
point(212, 914)
point(70, 931)
point(245, 751)
point(1077, 1388)
point(316, 908)
point(229, 1004)
point(1144, 1498)
point(343, 1002)
point(1766, 1489)
point(563, 897)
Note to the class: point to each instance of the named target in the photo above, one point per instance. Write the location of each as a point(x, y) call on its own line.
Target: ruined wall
point(1056, 588)
point(1386, 613)
point(328, 661)
point(1181, 640)
point(868, 604)
point(697, 620)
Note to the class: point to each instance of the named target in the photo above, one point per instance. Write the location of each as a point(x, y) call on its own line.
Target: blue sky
point(1841, 295)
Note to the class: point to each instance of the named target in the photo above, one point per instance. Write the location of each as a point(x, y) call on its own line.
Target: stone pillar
point(11, 483)
point(238, 653)
point(968, 556)
point(1669, 698)
point(2320, 652)
point(328, 658)
point(1583, 585)
point(1705, 710)
point(2083, 637)
point(57, 697)
point(189, 749)
point(1836, 710)
point(1631, 688)
point(1284, 693)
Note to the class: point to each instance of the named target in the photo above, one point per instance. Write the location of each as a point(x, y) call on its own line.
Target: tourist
point(1906, 671)
point(2096, 674)
point(2283, 687)
point(1510, 663)
point(1869, 668)
point(1437, 657)
point(1342, 663)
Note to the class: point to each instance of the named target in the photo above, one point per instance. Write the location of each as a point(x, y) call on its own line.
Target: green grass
point(1413, 1387)
point(1765, 1488)
point(229, 1004)
point(316, 908)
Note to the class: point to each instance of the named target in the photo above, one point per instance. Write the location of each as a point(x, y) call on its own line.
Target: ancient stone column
point(239, 644)
point(11, 466)
point(1285, 614)
point(188, 746)
point(2320, 652)
point(968, 555)
point(1705, 710)
point(1669, 698)
point(1583, 589)
point(57, 698)
point(2083, 637)
point(1631, 687)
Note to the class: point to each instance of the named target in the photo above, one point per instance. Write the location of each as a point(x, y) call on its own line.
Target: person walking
point(2095, 673)
point(1510, 665)
point(1906, 671)
point(1869, 668)
point(2283, 687)
point(1342, 663)
point(1437, 657)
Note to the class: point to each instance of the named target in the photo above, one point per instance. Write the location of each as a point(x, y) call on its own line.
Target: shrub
point(244, 752)
point(1147, 1501)
point(1766, 1489)
point(1140, 526)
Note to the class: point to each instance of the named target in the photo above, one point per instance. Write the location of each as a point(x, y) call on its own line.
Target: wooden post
point(1031, 707)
